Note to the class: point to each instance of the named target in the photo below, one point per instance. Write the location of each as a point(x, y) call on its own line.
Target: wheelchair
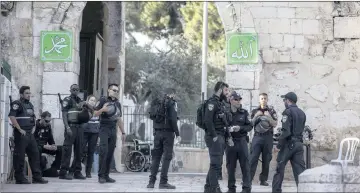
point(139, 157)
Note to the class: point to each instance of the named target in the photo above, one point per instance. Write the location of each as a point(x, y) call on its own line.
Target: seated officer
point(46, 144)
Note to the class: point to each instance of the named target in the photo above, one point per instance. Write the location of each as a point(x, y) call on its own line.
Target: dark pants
point(261, 144)
point(89, 146)
point(26, 144)
point(57, 153)
point(216, 153)
point(163, 145)
point(107, 146)
point(238, 152)
point(75, 139)
point(220, 169)
point(296, 156)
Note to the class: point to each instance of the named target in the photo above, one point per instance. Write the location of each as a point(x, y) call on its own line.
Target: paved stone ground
point(131, 182)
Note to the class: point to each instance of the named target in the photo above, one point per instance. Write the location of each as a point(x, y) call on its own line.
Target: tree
point(163, 19)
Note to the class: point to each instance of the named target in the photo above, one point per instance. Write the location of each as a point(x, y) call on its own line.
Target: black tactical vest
point(27, 116)
point(74, 111)
point(165, 124)
point(220, 115)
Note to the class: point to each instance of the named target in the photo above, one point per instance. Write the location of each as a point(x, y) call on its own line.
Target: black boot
point(23, 181)
point(109, 180)
point(79, 176)
point(102, 180)
point(264, 183)
point(88, 175)
point(39, 181)
point(166, 186)
point(66, 176)
point(150, 185)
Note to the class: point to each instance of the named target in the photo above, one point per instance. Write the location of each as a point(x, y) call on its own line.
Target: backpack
point(157, 110)
point(200, 113)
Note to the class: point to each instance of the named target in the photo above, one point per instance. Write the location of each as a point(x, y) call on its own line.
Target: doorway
point(91, 43)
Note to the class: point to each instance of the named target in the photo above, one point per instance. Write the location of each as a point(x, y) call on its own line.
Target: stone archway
point(311, 48)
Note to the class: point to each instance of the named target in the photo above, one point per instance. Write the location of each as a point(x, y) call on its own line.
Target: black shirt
point(43, 135)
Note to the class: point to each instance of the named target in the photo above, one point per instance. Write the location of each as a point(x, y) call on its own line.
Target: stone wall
point(311, 48)
point(5, 130)
point(20, 41)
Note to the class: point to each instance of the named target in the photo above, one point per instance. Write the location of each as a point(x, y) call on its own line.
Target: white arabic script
point(57, 45)
point(244, 52)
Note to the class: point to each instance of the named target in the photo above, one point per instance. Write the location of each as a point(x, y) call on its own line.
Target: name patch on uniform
point(284, 118)
point(210, 107)
point(15, 106)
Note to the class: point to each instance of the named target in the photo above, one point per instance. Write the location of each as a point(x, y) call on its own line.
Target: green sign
point(242, 48)
point(56, 46)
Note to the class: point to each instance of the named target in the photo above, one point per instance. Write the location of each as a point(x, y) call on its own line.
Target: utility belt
point(296, 139)
point(26, 121)
point(164, 130)
point(263, 134)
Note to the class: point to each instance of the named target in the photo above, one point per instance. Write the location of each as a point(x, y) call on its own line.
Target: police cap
point(235, 96)
point(290, 96)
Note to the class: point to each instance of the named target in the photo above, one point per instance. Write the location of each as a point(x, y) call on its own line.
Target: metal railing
point(137, 122)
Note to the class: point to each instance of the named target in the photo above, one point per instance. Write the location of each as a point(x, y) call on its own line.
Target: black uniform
point(229, 119)
point(44, 136)
point(23, 111)
point(164, 143)
point(290, 145)
point(107, 135)
point(239, 152)
point(71, 105)
point(262, 143)
point(214, 127)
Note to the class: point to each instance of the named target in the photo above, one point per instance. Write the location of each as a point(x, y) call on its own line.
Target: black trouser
point(163, 145)
point(108, 137)
point(238, 152)
point(220, 169)
point(26, 144)
point(216, 153)
point(75, 139)
point(58, 153)
point(293, 151)
point(261, 143)
point(89, 146)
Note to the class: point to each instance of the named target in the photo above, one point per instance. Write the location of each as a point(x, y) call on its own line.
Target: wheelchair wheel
point(135, 161)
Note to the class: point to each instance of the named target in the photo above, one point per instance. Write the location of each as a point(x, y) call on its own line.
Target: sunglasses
point(75, 89)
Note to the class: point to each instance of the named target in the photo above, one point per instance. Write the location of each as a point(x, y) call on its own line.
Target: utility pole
point(204, 53)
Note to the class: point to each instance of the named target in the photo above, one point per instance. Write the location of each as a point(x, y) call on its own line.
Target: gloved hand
point(235, 128)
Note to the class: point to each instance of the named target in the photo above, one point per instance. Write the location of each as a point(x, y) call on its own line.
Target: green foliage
point(163, 19)
point(179, 68)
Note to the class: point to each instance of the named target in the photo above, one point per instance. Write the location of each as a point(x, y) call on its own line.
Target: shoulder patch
point(210, 107)
point(65, 103)
point(284, 118)
point(15, 106)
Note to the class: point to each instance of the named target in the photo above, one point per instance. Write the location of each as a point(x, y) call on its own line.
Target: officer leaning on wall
point(22, 117)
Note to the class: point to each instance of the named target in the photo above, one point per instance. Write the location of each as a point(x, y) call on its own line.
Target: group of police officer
point(75, 112)
point(231, 134)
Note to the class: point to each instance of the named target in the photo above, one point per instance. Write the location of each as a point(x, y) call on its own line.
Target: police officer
point(215, 131)
point(71, 109)
point(290, 141)
point(109, 110)
point(164, 130)
point(240, 126)
point(264, 119)
point(46, 144)
point(22, 117)
point(228, 112)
